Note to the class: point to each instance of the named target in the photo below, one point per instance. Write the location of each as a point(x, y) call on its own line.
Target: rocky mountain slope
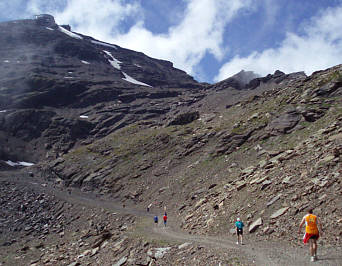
point(58, 87)
point(266, 158)
point(99, 119)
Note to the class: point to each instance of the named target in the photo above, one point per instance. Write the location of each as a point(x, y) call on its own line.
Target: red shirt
point(164, 217)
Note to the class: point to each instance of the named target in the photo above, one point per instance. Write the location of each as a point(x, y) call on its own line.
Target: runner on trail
point(239, 230)
point(311, 232)
point(155, 219)
point(149, 207)
point(165, 219)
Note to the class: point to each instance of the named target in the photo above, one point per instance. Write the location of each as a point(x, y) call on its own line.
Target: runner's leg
point(314, 247)
point(311, 247)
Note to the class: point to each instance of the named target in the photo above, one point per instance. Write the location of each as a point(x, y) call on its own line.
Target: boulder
point(265, 184)
point(255, 225)
point(200, 203)
point(157, 253)
point(240, 185)
point(249, 170)
point(273, 200)
point(184, 245)
point(279, 212)
point(284, 123)
point(184, 118)
point(122, 261)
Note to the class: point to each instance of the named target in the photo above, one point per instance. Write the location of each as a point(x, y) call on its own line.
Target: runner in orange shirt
point(311, 232)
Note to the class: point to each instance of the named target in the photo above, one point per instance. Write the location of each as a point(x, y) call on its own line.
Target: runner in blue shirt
point(155, 219)
point(239, 230)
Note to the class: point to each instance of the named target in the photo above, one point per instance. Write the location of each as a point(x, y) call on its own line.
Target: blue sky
point(210, 39)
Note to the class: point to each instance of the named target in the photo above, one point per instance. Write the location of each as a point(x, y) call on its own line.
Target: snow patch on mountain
point(71, 34)
point(13, 164)
point(134, 81)
point(105, 44)
point(114, 62)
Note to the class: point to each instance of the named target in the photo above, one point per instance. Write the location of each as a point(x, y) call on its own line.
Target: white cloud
point(319, 47)
point(97, 18)
point(185, 44)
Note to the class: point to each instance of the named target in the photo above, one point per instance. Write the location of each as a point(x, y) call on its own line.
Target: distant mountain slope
point(58, 87)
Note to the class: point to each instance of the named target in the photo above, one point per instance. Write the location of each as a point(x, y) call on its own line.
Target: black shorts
point(314, 237)
point(239, 231)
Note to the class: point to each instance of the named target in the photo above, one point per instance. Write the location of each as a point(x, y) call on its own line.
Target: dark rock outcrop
point(284, 122)
point(276, 78)
point(185, 118)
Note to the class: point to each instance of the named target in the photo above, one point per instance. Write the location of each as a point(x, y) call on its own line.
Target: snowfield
point(104, 44)
point(71, 34)
point(13, 164)
point(134, 81)
point(114, 62)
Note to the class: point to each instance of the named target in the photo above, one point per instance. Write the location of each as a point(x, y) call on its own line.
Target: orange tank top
point(311, 224)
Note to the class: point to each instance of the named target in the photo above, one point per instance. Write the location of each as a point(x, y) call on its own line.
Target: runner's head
point(238, 219)
point(310, 210)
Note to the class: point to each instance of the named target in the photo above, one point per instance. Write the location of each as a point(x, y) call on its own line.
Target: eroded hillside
point(265, 159)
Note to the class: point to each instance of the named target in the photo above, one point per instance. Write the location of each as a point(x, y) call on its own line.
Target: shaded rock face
point(26, 124)
point(184, 119)
point(284, 123)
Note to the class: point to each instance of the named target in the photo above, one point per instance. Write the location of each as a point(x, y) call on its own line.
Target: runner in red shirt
point(165, 219)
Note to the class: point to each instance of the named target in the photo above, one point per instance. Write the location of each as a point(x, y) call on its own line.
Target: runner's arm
point(301, 225)
point(320, 226)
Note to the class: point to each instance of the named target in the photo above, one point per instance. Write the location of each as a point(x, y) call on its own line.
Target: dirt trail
point(257, 252)
point(262, 253)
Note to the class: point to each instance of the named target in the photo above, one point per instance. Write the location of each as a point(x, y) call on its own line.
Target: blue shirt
point(239, 224)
